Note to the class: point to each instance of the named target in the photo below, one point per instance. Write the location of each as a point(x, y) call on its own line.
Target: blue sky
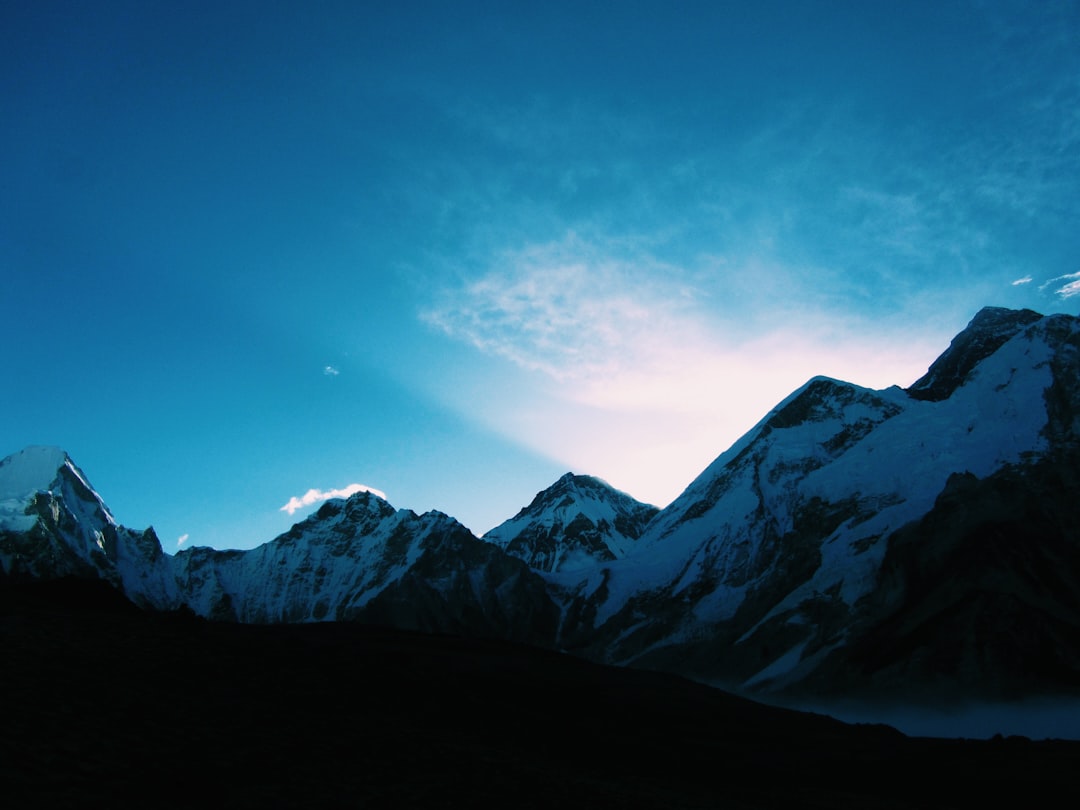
point(451, 251)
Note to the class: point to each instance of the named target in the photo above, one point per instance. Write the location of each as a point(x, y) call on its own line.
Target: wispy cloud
point(651, 370)
point(313, 496)
point(330, 371)
point(1070, 288)
point(707, 276)
point(568, 309)
point(181, 540)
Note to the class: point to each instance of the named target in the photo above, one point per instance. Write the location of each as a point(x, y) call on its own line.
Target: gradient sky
point(452, 250)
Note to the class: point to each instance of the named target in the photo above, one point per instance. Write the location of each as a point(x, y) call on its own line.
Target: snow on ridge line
point(38, 468)
point(32, 469)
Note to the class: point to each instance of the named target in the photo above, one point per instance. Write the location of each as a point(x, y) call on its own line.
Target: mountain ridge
point(830, 534)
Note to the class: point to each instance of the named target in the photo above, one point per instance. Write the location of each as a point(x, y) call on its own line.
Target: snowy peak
point(575, 523)
point(42, 470)
point(54, 524)
point(362, 560)
point(361, 508)
point(775, 552)
point(571, 489)
point(32, 469)
point(988, 331)
point(809, 430)
point(820, 398)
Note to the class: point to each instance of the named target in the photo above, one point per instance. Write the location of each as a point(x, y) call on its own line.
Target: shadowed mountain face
point(913, 546)
point(110, 704)
point(978, 596)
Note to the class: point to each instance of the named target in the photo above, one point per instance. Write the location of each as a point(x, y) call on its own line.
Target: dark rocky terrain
point(105, 704)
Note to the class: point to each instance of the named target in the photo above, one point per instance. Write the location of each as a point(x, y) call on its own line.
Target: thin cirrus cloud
point(603, 325)
point(706, 278)
point(649, 372)
point(1070, 288)
point(564, 309)
point(313, 496)
point(182, 539)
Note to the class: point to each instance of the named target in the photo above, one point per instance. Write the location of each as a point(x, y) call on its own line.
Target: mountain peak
point(31, 469)
point(576, 522)
point(991, 328)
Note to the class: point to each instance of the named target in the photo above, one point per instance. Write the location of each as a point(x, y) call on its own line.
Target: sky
point(256, 254)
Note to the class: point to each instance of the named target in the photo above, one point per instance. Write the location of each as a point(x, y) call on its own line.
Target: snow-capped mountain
point(913, 543)
point(355, 560)
point(575, 523)
point(827, 527)
point(362, 560)
point(53, 524)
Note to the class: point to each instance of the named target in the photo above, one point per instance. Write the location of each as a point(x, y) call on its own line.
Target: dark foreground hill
point(105, 703)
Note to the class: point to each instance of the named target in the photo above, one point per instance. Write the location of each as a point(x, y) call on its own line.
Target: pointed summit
point(32, 469)
point(43, 469)
point(54, 524)
point(991, 328)
point(575, 523)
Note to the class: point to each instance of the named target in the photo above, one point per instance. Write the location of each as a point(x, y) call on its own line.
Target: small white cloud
point(313, 496)
point(330, 371)
point(1024, 280)
point(181, 540)
point(1070, 288)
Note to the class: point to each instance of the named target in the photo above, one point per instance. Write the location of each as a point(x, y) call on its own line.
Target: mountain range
point(911, 546)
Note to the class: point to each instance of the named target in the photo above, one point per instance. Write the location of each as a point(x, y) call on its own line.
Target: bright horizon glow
point(632, 345)
point(459, 251)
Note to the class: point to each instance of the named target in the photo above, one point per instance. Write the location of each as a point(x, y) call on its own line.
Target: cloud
point(648, 370)
point(313, 496)
point(571, 310)
point(707, 274)
point(1067, 290)
point(330, 371)
point(181, 540)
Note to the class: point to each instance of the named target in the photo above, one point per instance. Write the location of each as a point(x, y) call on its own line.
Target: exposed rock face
point(916, 545)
